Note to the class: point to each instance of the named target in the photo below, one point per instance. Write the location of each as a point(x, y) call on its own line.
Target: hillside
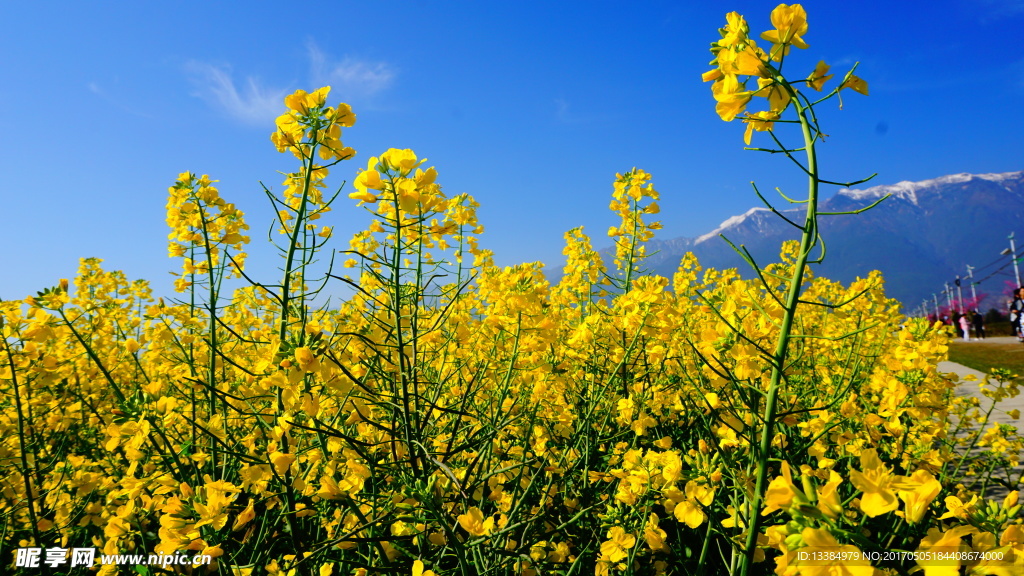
point(924, 234)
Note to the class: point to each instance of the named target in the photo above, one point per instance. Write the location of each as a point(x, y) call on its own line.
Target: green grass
point(984, 356)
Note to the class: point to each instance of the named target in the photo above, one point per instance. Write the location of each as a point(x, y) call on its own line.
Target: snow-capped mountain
point(908, 190)
point(926, 233)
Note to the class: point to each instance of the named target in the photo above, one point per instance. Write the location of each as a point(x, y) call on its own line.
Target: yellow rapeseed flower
point(820, 75)
point(790, 25)
point(917, 492)
point(830, 557)
point(617, 546)
point(473, 522)
point(731, 95)
point(856, 84)
point(782, 493)
point(877, 483)
point(763, 121)
point(417, 569)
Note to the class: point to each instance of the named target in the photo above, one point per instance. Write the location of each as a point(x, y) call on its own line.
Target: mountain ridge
point(926, 233)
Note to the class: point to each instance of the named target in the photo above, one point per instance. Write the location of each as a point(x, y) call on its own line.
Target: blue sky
point(530, 107)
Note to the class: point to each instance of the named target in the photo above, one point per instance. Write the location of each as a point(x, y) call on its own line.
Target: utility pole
point(1012, 251)
point(960, 294)
point(974, 294)
point(936, 300)
point(949, 297)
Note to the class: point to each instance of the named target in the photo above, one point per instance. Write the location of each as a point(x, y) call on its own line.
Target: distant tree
point(994, 315)
point(971, 303)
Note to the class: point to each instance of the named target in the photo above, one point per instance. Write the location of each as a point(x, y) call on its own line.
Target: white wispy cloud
point(349, 78)
point(565, 113)
point(97, 89)
point(251, 102)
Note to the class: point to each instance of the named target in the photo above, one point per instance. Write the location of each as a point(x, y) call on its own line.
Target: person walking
point(979, 325)
point(965, 326)
point(1016, 311)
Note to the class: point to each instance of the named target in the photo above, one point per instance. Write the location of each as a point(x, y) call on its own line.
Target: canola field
point(456, 417)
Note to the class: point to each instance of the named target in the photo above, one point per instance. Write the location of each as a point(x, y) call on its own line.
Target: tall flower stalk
point(739, 61)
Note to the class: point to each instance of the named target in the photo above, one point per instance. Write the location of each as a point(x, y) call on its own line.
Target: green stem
point(293, 241)
point(212, 355)
point(289, 266)
point(21, 441)
point(778, 358)
point(396, 307)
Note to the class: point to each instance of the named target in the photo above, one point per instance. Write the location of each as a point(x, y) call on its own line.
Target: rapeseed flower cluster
point(739, 60)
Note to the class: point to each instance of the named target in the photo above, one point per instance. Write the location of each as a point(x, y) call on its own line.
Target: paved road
point(970, 388)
